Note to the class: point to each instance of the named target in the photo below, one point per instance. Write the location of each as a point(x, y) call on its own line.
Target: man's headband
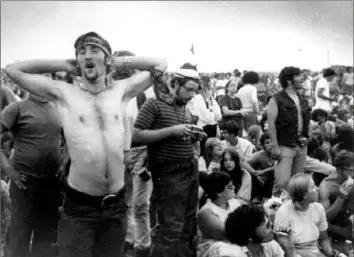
point(189, 74)
point(96, 42)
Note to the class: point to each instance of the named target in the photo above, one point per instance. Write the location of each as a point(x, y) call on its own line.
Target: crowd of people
point(108, 154)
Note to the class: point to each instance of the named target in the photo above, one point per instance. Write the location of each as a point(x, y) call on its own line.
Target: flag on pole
point(192, 49)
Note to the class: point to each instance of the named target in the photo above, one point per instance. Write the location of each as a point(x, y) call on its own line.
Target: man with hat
point(162, 125)
point(93, 221)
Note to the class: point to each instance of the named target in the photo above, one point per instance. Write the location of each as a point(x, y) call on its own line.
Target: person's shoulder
point(286, 206)
point(244, 141)
point(317, 207)
point(206, 210)
point(246, 174)
point(259, 154)
point(201, 160)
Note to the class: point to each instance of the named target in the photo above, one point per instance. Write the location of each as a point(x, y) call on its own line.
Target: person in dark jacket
point(288, 118)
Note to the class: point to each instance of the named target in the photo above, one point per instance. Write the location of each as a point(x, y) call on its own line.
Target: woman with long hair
point(241, 179)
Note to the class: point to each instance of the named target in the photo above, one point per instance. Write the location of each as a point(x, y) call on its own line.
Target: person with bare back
point(93, 220)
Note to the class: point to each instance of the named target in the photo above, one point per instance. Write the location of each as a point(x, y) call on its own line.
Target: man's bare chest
point(103, 110)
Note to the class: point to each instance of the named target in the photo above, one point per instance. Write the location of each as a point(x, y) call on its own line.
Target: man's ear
point(108, 60)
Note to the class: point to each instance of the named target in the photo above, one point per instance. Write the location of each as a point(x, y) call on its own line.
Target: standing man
point(288, 118)
point(138, 240)
point(93, 221)
point(323, 98)
point(34, 190)
point(163, 126)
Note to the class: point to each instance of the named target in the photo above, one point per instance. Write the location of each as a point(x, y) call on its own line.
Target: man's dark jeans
point(87, 230)
point(176, 192)
point(34, 210)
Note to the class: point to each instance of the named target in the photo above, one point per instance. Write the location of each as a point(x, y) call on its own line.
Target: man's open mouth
point(90, 66)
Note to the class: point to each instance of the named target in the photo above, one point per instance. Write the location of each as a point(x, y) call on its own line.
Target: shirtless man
point(93, 221)
point(336, 194)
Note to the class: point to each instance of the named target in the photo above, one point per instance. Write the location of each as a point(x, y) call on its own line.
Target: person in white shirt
point(305, 217)
point(220, 85)
point(210, 160)
point(243, 147)
point(207, 109)
point(323, 99)
point(247, 93)
point(347, 83)
point(306, 90)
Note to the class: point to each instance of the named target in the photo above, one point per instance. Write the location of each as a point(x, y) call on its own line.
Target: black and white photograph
point(177, 129)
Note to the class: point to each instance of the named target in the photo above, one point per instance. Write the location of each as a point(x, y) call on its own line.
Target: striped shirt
point(154, 115)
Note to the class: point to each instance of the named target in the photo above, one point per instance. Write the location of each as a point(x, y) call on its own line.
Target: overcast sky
point(262, 36)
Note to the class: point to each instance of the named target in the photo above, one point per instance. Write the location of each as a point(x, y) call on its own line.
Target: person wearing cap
point(337, 197)
point(322, 91)
point(93, 220)
point(162, 125)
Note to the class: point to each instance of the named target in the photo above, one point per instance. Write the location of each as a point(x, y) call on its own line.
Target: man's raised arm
point(140, 81)
point(27, 74)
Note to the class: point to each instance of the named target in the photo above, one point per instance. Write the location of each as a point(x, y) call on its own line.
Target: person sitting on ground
point(306, 218)
point(337, 197)
point(212, 216)
point(241, 179)
point(317, 161)
point(343, 114)
point(254, 133)
point(250, 233)
point(211, 158)
point(262, 171)
point(345, 139)
point(328, 128)
point(241, 145)
point(324, 145)
point(209, 162)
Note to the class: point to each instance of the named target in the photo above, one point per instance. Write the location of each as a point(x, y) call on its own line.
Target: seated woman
point(212, 216)
point(210, 160)
point(249, 233)
point(306, 218)
point(241, 179)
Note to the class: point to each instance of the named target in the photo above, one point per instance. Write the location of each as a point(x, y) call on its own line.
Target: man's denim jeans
point(138, 211)
point(87, 231)
point(176, 192)
point(34, 210)
point(292, 162)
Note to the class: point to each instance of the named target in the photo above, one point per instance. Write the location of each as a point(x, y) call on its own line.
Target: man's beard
point(182, 101)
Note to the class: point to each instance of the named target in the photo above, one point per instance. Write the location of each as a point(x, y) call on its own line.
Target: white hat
point(189, 71)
